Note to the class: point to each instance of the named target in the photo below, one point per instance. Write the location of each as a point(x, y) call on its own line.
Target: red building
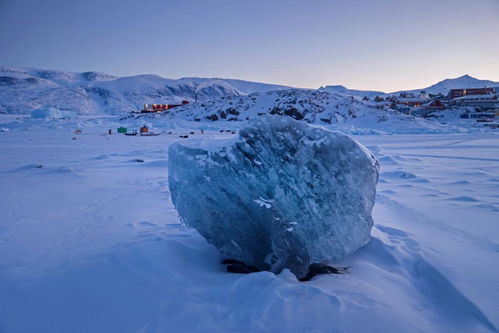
point(410, 103)
point(455, 93)
point(161, 107)
point(435, 105)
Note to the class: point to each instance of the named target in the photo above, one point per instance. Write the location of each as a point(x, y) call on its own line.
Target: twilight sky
point(363, 44)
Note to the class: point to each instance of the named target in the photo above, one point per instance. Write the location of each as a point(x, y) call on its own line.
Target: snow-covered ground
point(90, 241)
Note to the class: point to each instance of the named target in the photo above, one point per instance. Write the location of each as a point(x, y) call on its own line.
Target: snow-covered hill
point(353, 92)
point(461, 82)
point(346, 113)
point(24, 89)
point(441, 87)
point(244, 87)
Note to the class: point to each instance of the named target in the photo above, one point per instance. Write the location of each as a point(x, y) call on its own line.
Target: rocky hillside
point(349, 114)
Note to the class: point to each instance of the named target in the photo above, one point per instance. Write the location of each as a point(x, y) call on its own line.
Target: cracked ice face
point(282, 194)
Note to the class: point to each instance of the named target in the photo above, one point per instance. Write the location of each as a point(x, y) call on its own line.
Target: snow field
point(90, 242)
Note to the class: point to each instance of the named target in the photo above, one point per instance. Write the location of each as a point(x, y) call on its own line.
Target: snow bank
point(283, 194)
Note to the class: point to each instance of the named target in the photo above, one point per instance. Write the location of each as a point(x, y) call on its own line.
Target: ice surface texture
point(282, 194)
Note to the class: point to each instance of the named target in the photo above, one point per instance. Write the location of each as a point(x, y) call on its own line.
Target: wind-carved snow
point(284, 194)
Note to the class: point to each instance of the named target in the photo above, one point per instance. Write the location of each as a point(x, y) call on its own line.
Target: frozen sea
point(90, 241)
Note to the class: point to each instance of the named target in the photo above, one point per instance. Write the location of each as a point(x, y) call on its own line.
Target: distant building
point(487, 100)
point(405, 94)
point(144, 129)
point(161, 107)
point(412, 103)
point(411, 100)
point(434, 105)
point(456, 93)
point(417, 107)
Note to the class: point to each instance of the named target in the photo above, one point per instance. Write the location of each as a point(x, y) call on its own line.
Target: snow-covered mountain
point(245, 87)
point(342, 112)
point(59, 77)
point(24, 89)
point(461, 82)
point(441, 87)
point(354, 92)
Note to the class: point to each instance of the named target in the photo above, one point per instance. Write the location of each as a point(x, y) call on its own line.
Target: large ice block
point(281, 194)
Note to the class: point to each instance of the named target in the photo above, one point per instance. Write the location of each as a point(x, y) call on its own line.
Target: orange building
point(161, 107)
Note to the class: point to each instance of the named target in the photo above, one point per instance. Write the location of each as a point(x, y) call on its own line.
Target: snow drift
point(283, 194)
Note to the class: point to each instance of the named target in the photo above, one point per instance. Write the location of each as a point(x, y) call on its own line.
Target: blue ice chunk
point(283, 194)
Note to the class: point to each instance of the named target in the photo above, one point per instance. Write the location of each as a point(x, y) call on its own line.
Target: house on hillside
point(160, 107)
point(410, 102)
point(457, 93)
point(405, 94)
point(486, 100)
point(434, 105)
point(478, 97)
point(417, 107)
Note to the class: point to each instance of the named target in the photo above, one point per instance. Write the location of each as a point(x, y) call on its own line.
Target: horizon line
point(240, 79)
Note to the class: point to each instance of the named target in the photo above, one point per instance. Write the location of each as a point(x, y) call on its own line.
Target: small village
point(158, 108)
point(480, 104)
point(478, 107)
